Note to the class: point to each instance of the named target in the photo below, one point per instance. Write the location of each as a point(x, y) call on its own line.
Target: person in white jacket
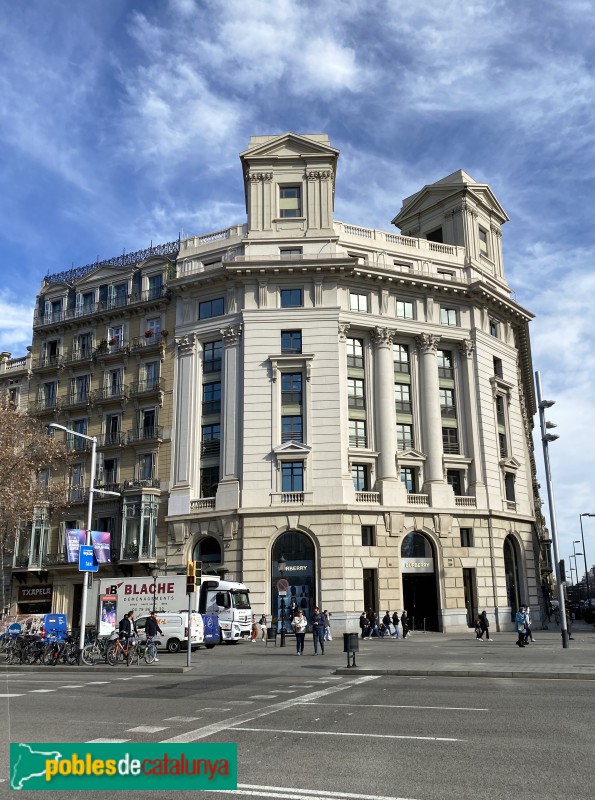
point(300, 623)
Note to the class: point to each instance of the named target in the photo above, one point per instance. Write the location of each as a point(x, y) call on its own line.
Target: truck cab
point(230, 601)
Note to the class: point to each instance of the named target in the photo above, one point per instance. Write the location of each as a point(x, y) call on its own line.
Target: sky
point(121, 122)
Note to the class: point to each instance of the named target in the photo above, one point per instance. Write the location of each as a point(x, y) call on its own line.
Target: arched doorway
point(420, 594)
point(300, 572)
point(512, 561)
point(208, 550)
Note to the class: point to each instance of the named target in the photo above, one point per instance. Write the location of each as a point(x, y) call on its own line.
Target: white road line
point(73, 686)
point(11, 695)
point(387, 705)
point(96, 683)
point(286, 691)
point(211, 708)
point(341, 733)
point(264, 696)
point(311, 794)
point(106, 741)
point(181, 719)
point(40, 691)
point(147, 729)
point(224, 724)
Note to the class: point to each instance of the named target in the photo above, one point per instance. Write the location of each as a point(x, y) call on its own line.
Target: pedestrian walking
point(263, 627)
point(519, 626)
point(396, 625)
point(386, 620)
point(300, 623)
point(372, 624)
point(327, 626)
point(485, 626)
point(317, 621)
point(404, 624)
point(363, 624)
point(254, 632)
point(569, 623)
point(152, 629)
point(528, 624)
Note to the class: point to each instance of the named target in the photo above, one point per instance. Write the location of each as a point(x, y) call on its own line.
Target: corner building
point(357, 401)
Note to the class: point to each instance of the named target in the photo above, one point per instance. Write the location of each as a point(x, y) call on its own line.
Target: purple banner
point(74, 539)
point(101, 541)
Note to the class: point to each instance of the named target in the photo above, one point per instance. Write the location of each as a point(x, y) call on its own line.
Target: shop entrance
point(298, 551)
point(420, 592)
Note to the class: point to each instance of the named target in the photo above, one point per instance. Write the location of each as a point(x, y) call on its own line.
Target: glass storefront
point(298, 551)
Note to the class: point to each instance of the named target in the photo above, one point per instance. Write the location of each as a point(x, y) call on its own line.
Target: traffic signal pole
point(193, 579)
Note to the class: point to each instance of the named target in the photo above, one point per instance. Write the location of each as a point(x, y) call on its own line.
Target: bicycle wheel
point(72, 654)
point(29, 653)
point(132, 655)
point(113, 651)
point(150, 653)
point(51, 655)
point(91, 655)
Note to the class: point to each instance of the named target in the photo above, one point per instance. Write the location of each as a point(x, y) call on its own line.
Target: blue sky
point(121, 123)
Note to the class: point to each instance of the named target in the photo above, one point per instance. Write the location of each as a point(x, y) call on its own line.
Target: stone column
point(475, 478)
point(393, 492)
point(184, 425)
point(440, 493)
point(228, 491)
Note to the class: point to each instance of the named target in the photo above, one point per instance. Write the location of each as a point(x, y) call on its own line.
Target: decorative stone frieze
point(343, 329)
point(260, 176)
point(231, 336)
point(319, 174)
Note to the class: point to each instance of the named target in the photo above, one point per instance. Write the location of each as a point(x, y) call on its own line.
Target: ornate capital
point(427, 342)
point(383, 337)
point(343, 328)
point(186, 344)
point(319, 174)
point(260, 176)
point(231, 336)
point(496, 231)
point(466, 348)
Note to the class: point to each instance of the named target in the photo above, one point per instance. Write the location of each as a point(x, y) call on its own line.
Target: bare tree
point(32, 468)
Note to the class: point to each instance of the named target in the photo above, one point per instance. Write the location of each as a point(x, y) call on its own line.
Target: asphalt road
point(305, 733)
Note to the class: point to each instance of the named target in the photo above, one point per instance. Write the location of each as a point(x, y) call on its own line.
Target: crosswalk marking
point(40, 691)
point(147, 729)
point(181, 719)
point(11, 695)
point(106, 741)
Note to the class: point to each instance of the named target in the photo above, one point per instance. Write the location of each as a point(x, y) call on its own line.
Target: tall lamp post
point(585, 557)
point(546, 438)
point(282, 563)
point(87, 581)
point(576, 553)
point(572, 577)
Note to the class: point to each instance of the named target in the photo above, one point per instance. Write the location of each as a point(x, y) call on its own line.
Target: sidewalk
point(460, 655)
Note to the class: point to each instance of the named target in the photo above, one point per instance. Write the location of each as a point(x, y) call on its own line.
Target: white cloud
point(16, 319)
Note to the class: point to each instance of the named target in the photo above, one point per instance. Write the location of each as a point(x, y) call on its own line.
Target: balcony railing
point(77, 445)
point(21, 562)
point(115, 439)
point(451, 448)
point(292, 436)
point(77, 398)
point(105, 350)
point(202, 504)
point(417, 499)
point(358, 441)
point(287, 497)
point(108, 484)
point(367, 497)
point(79, 355)
point(111, 393)
point(55, 559)
point(465, 502)
point(145, 434)
point(114, 303)
point(78, 494)
point(211, 447)
point(134, 553)
point(146, 342)
point(50, 362)
point(143, 483)
point(49, 404)
point(145, 387)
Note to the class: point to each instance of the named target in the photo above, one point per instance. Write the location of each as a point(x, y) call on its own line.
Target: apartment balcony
point(74, 444)
point(358, 441)
point(113, 439)
point(202, 504)
point(57, 559)
point(108, 351)
point(147, 387)
point(132, 552)
point(21, 562)
point(81, 398)
point(418, 499)
point(107, 485)
point(107, 393)
point(142, 483)
point(48, 406)
point(148, 343)
point(49, 363)
point(78, 494)
point(78, 356)
point(146, 434)
point(211, 447)
point(371, 498)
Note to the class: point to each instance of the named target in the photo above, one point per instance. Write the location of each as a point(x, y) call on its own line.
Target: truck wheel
point(173, 646)
point(209, 646)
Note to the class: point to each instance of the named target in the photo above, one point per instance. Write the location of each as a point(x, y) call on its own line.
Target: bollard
point(351, 647)
point(424, 624)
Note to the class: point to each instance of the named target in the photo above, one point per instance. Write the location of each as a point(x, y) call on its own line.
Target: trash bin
point(271, 635)
point(350, 643)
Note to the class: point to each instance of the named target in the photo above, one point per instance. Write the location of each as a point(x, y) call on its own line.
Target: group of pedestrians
point(370, 626)
point(482, 625)
point(522, 626)
point(321, 629)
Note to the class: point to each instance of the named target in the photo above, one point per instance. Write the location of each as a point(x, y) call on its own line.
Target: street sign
point(283, 594)
point(282, 585)
point(87, 560)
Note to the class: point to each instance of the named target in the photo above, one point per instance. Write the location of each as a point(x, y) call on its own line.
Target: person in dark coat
point(127, 626)
point(317, 620)
point(152, 628)
point(484, 624)
point(396, 625)
point(404, 624)
point(363, 624)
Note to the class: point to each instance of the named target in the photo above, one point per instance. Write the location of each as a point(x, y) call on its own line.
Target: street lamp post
point(588, 589)
point(282, 563)
point(576, 553)
point(572, 578)
point(546, 438)
point(87, 582)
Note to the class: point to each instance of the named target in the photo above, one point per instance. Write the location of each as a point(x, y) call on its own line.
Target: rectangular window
point(115, 336)
point(358, 301)
point(401, 358)
point(494, 328)
point(291, 341)
point(466, 537)
point(500, 410)
point(404, 309)
point(435, 235)
point(402, 398)
point(151, 376)
point(292, 476)
point(404, 437)
point(409, 479)
point(290, 201)
point(211, 308)
point(155, 286)
point(76, 442)
point(145, 467)
point(80, 389)
point(291, 428)
point(368, 536)
point(447, 403)
point(83, 344)
point(290, 252)
point(359, 473)
point(355, 353)
point(502, 445)
point(291, 388)
point(355, 393)
point(292, 298)
point(211, 440)
point(448, 316)
point(453, 478)
point(110, 472)
point(509, 487)
point(153, 325)
point(357, 433)
point(483, 242)
point(450, 441)
point(209, 480)
point(211, 398)
point(498, 372)
point(148, 429)
point(445, 364)
point(212, 357)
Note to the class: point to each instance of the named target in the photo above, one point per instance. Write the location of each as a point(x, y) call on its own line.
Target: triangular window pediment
point(510, 463)
point(292, 448)
point(290, 144)
point(103, 275)
point(416, 454)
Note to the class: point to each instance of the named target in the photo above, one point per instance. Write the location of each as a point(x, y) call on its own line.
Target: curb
point(103, 668)
point(467, 673)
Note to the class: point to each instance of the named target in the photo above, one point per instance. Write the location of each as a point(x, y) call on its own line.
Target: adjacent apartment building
point(296, 397)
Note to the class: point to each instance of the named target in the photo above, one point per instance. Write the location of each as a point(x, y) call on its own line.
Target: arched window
point(298, 550)
point(208, 551)
point(416, 545)
point(512, 569)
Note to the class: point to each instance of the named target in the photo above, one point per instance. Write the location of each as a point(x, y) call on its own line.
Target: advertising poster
point(74, 539)
point(101, 541)
point(107, 614)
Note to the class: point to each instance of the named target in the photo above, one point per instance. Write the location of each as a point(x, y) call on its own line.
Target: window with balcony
point(145, 466)
point(107, 524)
point(53, 310)
point(212, 356)
point(211, 308)
point(76, 483)
point(355, 353)
point(291, 388)
point(292, 476)
point(209, 480)
point(401, 358)
point(211, 398)
point(290, 201)
point(357, 433)
point(75, 442)
point(449, 316)
point(113, 383)
point(408, 477)
point(368, 536)
point(445, 364)
point(83, 346)
point(155, 286)
point(154, 328)
point(211, 440)
point(118, 295)
point(355, 393)
point(14, 395)
point(291, 341)
point(150, 376)
point(47, 394)
point(85, 303)
point(113, 429)
point(51, 353)
point(404, 436)
point(450, 441)
point(292, 428)
point(359, 473)
point(358, 301)
point(147, 424)
point(80, 389)
point(109, 473)
point(454, 478)
point(292, 298)
point(403, 398)
point(404, 309)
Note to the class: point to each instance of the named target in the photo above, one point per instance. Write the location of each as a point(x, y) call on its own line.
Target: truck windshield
point(240, 600)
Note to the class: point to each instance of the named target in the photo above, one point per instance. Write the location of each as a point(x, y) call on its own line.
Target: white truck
point(230, 602)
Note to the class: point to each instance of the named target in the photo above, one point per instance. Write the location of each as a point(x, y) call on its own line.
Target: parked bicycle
point(118, 650)
point(65, 651)
point(142, 649)
point(96, 651)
